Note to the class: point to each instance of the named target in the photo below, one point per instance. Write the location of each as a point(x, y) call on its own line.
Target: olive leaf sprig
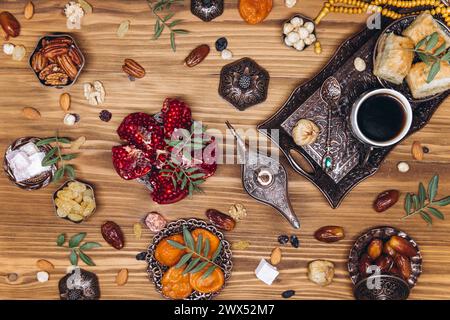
point(190, 178)
point(165, 22)
point(197, 254)
point(55, 155)
point(424, 202)
point(77, 249)
point(432, 59)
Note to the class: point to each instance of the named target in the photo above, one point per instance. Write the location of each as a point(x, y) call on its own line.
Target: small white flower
point(299, 45)
point(226, 54)
point(288, 27)
point(309, 26)
point(303, 33)
point(293, 37)
point(297, 22)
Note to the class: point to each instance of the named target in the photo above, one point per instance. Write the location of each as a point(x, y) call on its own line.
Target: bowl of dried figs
point(384, 264)
point(189, 260)
point(57, 61)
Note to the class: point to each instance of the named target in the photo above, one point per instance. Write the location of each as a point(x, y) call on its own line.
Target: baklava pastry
point(417, 80)
point(394, 58)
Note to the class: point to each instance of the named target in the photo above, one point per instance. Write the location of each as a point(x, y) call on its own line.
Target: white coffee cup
point(386, 92)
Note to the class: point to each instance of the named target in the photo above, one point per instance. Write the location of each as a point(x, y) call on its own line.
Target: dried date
point(375, 248)
point(9, 24)
point(330, 234)
point(402, 246)
point(404, 266)
point(197, 55)
point(220, 220)
point(113, 235)
point(385, 200)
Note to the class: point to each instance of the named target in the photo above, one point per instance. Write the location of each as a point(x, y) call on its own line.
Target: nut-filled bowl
point(57, 61)
point(299, 32)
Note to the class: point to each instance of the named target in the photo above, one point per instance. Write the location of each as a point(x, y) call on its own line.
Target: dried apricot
point(213, 239)
point(175, 284)
point(211, 283)
point(255, 11)
point(167, 254)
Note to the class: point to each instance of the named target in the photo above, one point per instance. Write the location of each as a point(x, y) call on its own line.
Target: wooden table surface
point(28, 226)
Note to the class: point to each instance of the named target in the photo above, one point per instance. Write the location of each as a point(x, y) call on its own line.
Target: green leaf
point(183, 183)
point(159, 29)
point(90, 245)
point(199, 267)
point(69, 156)
point(425, 216)
point(196, 182)
point(43, 142)
point(58, 174)
point(440, 49)
point(217, 252)
point(191, 189)
point(86, 259)
point(434, 70)
point(425, 58)
point(443, 202)
point(183, 260)
point(209, 271)
point(175, 22)
point(433, 40)
point(180, 31)
point(172, 41)
point(422, 194)
point(416, 202)
point(191, 265)
point(73, 257)
point(433, 187)
point(70, 171)
point(60, 239)
point(408, 203)
point(188, 239)
point(76, 239)
point(176, 244)
point(174, 182)
point(421, 43)
point(436, 213)
point(50, 162)
point(198, 249)
point(206, 247)
point(446, 57)
point(197, 175)
point(64, 140)
point(168, 17)
point(49, 154)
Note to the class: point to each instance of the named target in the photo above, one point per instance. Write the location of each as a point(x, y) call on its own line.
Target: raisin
point(105, 115)
point(221, 44)
point(288, 293)
point(283, 239)
point(294, 241)
point(141, 256)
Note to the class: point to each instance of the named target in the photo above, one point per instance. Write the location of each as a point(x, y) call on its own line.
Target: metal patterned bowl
point(305, 19)
point(34, 183)
point(156, 271)
point(360, 246)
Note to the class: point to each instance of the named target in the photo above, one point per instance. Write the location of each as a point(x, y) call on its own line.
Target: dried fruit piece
point(404, 266)
point(375, 248)
point(237, 211)
point(137, 229)
point(167, 254)
point(330, 234)
point(387, 249)
point(113, 235)
point(133, 69)
point(283, 239)
point(294, 241)
point(28, 10)
point(240, 245)
point(105, 115)
point(64, 101)
point(417, 150)
point(385, 263)
point(364, 263)
point(141, 256)
point(305, 132)
point(9, 24)
point(123, 28)
point(402, 246)
point(212, 283)
point(19, 53)
point(122, 277)
point(197, 55)
point(220, 220)
point(221, 44)
point(45, 265)
point(275, 257)
point(76, 145)
point(254, 11)
point(31, 113)
point(321, 272)
point(385, 200)
point(175, 284)
point(155, 222)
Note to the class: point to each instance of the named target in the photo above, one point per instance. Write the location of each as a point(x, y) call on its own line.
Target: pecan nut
point(67, 65)
point(75, 55)
point(62, 40)
point(38, 61)
point(53, 50)
point(197, 55)
point(330, 234)
point(49, 69)
point(56, 79)
point(133, 69)
point(220, 220)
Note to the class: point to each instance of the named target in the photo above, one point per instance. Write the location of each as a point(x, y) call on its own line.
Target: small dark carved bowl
point(390, 288)
point(207, 10)
point(39, 47)
point(88, 186)
point(34, 183)
point(244, 83)
point(360, 246)
point(305, 19)
point(156, 271)
point(79, 285)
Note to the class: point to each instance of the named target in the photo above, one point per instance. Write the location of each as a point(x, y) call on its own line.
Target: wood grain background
point(28, 226)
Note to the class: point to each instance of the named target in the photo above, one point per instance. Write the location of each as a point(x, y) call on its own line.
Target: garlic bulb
point(305, 132)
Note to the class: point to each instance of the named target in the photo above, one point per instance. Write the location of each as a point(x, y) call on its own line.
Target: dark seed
point(141, 256)
point(221, 44)
point(288, 293)
point(283, 239)
point(426, 150)
point(105, 115)
point(294, 241)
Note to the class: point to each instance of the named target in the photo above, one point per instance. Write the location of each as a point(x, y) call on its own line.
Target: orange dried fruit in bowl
point(175, 284)
point(168, 255)
point(212, 283)
point(212, 238)
point(255, 11)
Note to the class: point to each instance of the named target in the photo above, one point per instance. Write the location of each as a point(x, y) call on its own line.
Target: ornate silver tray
point(156, 271)
point(347, 153)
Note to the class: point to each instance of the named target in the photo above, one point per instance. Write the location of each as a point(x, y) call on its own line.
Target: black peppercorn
point(283, 239)
point(288, 293)
point(426, 150)
point(221, 44)
point(105, 115)
point(294, 241)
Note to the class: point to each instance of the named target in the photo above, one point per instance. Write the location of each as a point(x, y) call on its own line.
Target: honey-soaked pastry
point(417, 80)
point(423, 26)
point(394, 58)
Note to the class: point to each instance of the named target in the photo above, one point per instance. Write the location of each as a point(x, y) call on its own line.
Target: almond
point(64, 102)
point(417, 150)
point(45, 265)
point(28, 11)
point(31, 113)
point(76, 145)
point(122, 277)
point(275, 257)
